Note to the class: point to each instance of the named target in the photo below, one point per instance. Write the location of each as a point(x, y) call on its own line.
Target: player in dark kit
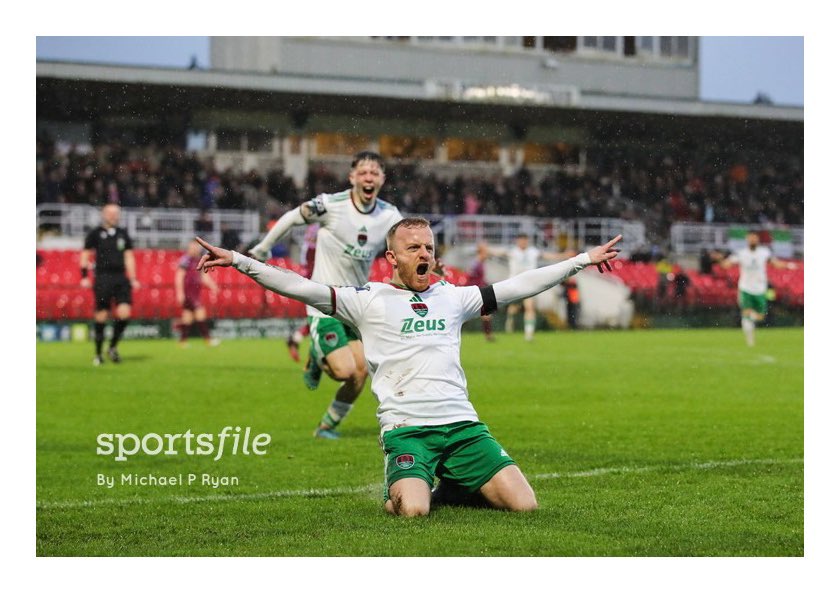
point(116, 275)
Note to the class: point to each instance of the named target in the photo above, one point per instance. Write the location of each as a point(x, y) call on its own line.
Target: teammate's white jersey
point(753, 264)
point(412, 345)
point(348, 240)
point(522, 260)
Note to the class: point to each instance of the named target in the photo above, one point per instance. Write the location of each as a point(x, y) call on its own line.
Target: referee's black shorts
point(108, 288)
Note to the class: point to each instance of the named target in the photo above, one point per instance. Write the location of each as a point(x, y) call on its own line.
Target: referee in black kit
point(116, 275)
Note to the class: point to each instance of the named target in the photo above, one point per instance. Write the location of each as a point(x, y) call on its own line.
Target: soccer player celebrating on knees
point(752, 282)
point(353, 224)
point(188, 283)
point(411, 331)
point(116, 276)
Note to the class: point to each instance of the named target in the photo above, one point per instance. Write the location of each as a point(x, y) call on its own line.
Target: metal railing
point(172, 228)
point(547, 233)
point(692, 238)
point(150, 227)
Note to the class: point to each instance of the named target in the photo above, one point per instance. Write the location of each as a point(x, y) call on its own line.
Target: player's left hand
point(601, 255)
point(216, 257)
point(135, 284)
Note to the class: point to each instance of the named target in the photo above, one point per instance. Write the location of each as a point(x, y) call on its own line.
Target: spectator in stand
point(659, 189)
point(230, 238)
point(204, 223)
point(571, 293)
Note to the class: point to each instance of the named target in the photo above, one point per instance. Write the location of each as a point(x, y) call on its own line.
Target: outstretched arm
point(533, 282)
point(278, 280)
point(294, 217)
point(496, 251)
point(782, 264)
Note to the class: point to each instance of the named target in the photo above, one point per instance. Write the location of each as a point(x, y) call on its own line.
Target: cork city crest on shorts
point(331, 339)
point(405, 461)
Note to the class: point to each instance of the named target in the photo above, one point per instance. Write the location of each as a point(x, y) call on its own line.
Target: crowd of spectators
point(657, 189)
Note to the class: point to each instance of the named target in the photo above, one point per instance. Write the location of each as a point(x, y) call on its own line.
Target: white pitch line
point(372, 488)
point(652, 468)
point(307, 493)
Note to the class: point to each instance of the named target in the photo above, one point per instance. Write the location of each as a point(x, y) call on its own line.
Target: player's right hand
point(259, 254)
point(86, 283)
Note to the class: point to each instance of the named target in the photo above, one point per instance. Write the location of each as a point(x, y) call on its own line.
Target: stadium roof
point(411, 89)
point(88, 92)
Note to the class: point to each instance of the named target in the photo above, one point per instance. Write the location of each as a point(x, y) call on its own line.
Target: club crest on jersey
point(404, 461)
point(418, 306)
point(362, 237)
point(331, 339)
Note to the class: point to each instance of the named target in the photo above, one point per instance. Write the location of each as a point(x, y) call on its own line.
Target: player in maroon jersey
point(476, 277)
point(188, 284)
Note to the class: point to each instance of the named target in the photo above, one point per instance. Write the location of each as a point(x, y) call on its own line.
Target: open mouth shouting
point(369, 191)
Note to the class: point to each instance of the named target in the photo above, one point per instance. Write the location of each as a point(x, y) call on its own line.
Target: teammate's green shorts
point(464, 453)
point(328, 334)
point(756, 302)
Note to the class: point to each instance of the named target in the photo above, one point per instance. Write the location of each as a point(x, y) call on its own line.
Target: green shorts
point(464, 453)
point(328, 335)
point(756, 302)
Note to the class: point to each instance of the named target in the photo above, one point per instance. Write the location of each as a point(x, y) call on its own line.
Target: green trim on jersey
point(341, 196)
point(464, 453)
point(385, 205)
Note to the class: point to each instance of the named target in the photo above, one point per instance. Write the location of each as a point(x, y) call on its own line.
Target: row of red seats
point(155, 267)
point(160, 303)
point(60, 296)
point(718, 289)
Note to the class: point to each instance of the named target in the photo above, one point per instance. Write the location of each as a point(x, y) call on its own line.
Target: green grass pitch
point(637, 443)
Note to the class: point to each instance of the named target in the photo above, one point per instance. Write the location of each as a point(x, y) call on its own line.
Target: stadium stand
point(659, 189)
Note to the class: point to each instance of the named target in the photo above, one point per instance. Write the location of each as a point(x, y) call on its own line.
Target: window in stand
point(340, 144)
point(407, 147)
point(460, 149)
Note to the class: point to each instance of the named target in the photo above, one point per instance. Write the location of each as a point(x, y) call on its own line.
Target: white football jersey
point(522, 260)
point(753, 265)
point(412, 345)
point(348, 239)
